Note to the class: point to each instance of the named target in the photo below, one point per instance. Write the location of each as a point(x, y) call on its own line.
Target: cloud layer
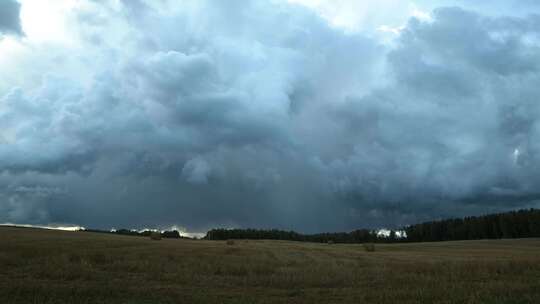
point(10, 22)
point(264, 114)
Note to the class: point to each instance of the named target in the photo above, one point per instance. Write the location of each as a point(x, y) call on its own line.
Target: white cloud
point(44, 21)
point(360, 15)
point(51, 227)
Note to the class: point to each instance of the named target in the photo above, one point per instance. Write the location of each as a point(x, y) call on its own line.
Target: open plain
point(45, 266)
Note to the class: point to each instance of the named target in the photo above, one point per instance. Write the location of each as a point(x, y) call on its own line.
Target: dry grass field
point(41, 266)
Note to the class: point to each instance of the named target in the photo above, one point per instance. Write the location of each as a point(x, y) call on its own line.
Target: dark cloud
point(184, 115)
point(459, 121)
point(10, 22)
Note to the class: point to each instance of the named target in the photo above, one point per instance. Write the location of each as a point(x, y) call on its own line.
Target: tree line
point(514, 224)
point(357, 236)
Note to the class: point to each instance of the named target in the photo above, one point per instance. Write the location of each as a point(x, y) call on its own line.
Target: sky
point(310, 115)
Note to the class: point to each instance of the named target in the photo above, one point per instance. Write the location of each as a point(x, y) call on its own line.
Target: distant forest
point(514, 224)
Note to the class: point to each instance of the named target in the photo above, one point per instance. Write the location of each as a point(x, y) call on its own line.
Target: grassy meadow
point(45, 266)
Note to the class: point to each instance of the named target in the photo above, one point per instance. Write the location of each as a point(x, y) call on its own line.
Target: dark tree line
point(514, 224)
point(357, 236)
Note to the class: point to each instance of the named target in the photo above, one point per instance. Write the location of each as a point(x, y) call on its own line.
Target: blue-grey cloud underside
point(262, 115)
point(10, 22)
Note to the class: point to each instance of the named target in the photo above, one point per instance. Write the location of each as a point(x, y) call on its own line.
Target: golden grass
point(41, 266)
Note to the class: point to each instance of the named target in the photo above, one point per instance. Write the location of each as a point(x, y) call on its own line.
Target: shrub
point(230, 242)
point(156, 236)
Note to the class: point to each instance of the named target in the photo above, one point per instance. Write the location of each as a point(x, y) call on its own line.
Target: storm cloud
point(265, 114)
point(10, 22)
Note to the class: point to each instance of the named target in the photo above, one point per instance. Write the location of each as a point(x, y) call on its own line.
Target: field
point(42, 266)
